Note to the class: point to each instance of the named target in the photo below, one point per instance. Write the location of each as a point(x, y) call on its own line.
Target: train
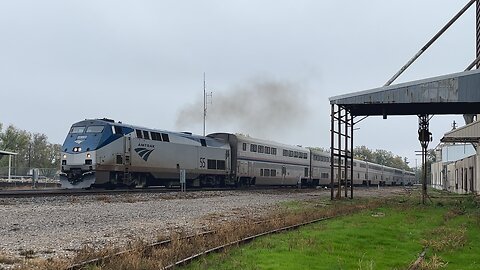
point(109, 154)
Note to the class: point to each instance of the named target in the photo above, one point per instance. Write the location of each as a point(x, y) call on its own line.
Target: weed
point(444, 238)
point(435, 262)
point(5, 259)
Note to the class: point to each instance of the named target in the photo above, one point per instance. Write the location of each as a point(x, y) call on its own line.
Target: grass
point(388, 237)
point(370, 234)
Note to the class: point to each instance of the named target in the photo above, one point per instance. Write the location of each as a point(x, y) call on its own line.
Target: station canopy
point(457, 93)
point(6, 153)
point(467, 134)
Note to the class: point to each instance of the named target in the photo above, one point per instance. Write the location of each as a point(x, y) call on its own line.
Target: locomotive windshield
point(77, 129)
point(94, 129)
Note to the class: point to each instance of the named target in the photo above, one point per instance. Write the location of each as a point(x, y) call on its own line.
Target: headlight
point(88, 155)
point(64, 156)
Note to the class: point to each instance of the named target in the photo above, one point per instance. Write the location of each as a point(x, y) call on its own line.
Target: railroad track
point(183, 261)
point(83, 192)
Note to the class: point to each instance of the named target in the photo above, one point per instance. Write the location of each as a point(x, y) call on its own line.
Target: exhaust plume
point(259, 108)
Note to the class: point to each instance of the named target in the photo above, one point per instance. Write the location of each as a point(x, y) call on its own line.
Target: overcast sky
point(142, 63)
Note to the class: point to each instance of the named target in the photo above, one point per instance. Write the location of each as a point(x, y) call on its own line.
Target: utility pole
point(204, 104)
point(205, 101)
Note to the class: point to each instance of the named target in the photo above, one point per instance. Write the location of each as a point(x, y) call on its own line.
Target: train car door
point(284, 173)
point(250, 169)
point(127, 145)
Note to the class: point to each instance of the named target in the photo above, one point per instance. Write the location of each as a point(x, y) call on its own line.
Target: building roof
point(6, 153)
point(469, 133)
point(457, 93)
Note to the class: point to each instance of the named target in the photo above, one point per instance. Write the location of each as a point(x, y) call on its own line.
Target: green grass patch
point(388, 237)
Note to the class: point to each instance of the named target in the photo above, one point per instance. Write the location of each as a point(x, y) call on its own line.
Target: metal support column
point(332, 145)
point(424, 136)
point(478, 32)
point(9, 166)
point(351, 159)
point(345, 158)
point(341, 157)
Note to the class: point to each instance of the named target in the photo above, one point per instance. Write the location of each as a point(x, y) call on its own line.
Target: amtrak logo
point(144, 152)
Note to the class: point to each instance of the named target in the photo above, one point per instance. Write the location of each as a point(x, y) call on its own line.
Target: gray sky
point(142, 62)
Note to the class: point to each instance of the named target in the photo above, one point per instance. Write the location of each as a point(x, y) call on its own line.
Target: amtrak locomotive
point(105, 153)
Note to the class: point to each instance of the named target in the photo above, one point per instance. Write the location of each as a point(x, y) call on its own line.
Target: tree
point(382, 157)
point(34, 150)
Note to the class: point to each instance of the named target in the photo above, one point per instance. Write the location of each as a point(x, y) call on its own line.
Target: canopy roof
point(6, 153)
point(457, 93)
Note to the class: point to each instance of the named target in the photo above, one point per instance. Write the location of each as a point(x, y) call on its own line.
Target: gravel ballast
point(59, 226)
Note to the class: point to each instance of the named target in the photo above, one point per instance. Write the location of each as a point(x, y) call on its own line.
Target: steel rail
point(245, 240)
point(163, 243)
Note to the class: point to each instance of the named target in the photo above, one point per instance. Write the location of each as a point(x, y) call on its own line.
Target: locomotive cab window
point(117, 130)
point(203, 142)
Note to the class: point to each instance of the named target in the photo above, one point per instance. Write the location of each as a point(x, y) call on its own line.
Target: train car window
point(165, 137)
point(220, 164)
point(290, 153)
point(273, 172)
point(358, 176)
point(285, 153)
point(77, 129)
point(267, 150)
point(274, 151)
point(295, 154)
point(94, 129)
point(117, 130)
point(266, 172)
point(139, 133)
point(261, 149)
point(261, 172)
point(244, 147)
point(251, 148)
point(203, 142)
point(306, 172)
point(211, 164)
point(305, 156)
